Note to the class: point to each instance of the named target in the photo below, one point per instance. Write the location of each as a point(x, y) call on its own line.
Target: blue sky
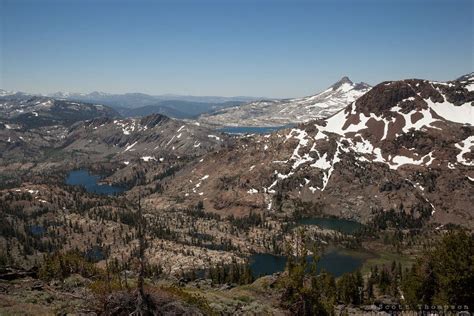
point(256, 48)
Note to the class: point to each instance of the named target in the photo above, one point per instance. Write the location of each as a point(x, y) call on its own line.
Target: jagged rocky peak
point(342, 81)
point(347, 84)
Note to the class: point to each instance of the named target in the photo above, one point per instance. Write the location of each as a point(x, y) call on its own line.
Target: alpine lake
point(91, 183)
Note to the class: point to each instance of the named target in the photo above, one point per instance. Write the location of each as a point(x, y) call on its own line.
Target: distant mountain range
point(14, 104)
point(283, 112)
point(134, 100)
point(216, 110)
point(179, 109)
point(140, 104)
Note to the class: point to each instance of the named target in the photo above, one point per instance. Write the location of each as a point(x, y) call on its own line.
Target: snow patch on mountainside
point(463, 114)
point(465, 147)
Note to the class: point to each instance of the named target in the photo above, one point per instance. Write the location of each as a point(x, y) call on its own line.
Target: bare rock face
point(404, 145)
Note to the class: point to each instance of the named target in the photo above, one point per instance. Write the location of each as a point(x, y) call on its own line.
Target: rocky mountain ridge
point(124, 140)
point(32, 111)
point(149, 138)
point(290, 111)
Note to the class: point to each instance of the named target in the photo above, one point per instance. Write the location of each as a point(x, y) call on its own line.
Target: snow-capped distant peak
point(466, 77)
point(282, 112)
point(344, 81)
point(4, 93)
point(74, 95)
point(64, 95)
point(345, 84)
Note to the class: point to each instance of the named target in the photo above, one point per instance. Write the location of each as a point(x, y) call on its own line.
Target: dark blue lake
point(334, 262)
point(338, 224)
point(90, 183)
point(240, 130)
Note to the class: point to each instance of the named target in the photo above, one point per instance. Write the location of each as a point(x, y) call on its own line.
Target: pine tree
point(443, 275)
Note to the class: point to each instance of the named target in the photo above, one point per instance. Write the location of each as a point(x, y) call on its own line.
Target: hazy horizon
point(273, 49)
point(206, 95)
